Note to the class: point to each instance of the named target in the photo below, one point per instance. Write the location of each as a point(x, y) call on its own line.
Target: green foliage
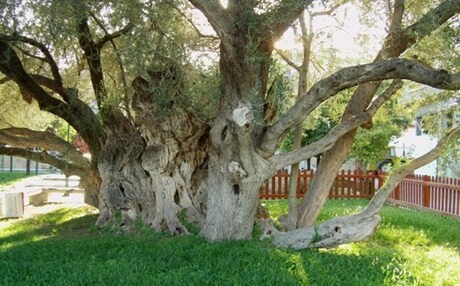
point(202, 89)
point(321, 125)
point(449, 161)
point(62, 248)
point(18, 113)
point(370, 145)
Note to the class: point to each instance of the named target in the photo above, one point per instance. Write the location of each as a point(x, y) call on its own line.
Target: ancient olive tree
point(244, 140)
point(75, 59)
point(153, 156)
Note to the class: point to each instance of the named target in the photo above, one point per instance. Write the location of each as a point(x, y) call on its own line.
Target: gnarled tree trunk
point(236, 173)
point(154, 170)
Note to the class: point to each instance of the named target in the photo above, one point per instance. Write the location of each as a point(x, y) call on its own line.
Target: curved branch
point(48, 57)
point(346, 229)
point(399, 40)
point(400, 172)
point(46, 158)
point(46, 82)
point(396, 43)
point(11, 66)
point(328, 140)
point(26, 138)
point(75, 112)
point(109, 37)
point(219, 18)
point(395, 68)
point(323, 144)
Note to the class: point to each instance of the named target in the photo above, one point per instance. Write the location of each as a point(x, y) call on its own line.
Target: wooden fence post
point(426, 191)
point(397, 192)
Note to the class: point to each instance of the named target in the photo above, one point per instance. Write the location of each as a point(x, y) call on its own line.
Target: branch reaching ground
point(342, 230)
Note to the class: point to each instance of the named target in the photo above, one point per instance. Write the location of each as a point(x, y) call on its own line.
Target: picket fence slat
point(441, 195)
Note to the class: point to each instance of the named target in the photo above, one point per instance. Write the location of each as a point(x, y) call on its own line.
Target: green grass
point(63, 248)
point(10, 178)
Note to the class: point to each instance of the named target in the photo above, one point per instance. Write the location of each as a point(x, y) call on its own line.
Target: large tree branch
point(395, 68)
point(55, 84)
point(341, 230)
point(326, 142)
point(48, 57)
point(75, 112)
point(26, 138)
point(93, 57)
point(11, 66)
point(220, 19)
point(283, 15)
point(397, 41)
point(118, 57)
point(46, 158)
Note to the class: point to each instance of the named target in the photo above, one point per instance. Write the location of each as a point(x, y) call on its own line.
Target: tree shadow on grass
point(62, 223)
point(106, 259)
point(121, 260)
point(55, 250)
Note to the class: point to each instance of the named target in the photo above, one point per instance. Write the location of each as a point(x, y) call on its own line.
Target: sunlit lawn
point(63, 248)
point(7, 178)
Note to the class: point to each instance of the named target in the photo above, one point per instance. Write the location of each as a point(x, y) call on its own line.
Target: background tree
point(371, 145)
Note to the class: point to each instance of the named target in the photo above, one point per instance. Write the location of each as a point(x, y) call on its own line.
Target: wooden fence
point(441, 195)
point(436, 194)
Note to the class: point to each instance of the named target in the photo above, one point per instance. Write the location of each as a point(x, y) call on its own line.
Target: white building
point(415, 141)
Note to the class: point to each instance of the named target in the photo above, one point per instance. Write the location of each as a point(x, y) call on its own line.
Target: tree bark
point(236, 173)
point(292, 217)
point(153, 170)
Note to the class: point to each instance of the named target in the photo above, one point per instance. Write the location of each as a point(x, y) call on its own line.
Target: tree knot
point(242, 116)
point(236, 170)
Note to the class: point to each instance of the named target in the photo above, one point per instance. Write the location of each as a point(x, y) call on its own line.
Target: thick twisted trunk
point(90, 181)
point(236, 173)
point(236, 170)
point(153, 170)
point(151, 182)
